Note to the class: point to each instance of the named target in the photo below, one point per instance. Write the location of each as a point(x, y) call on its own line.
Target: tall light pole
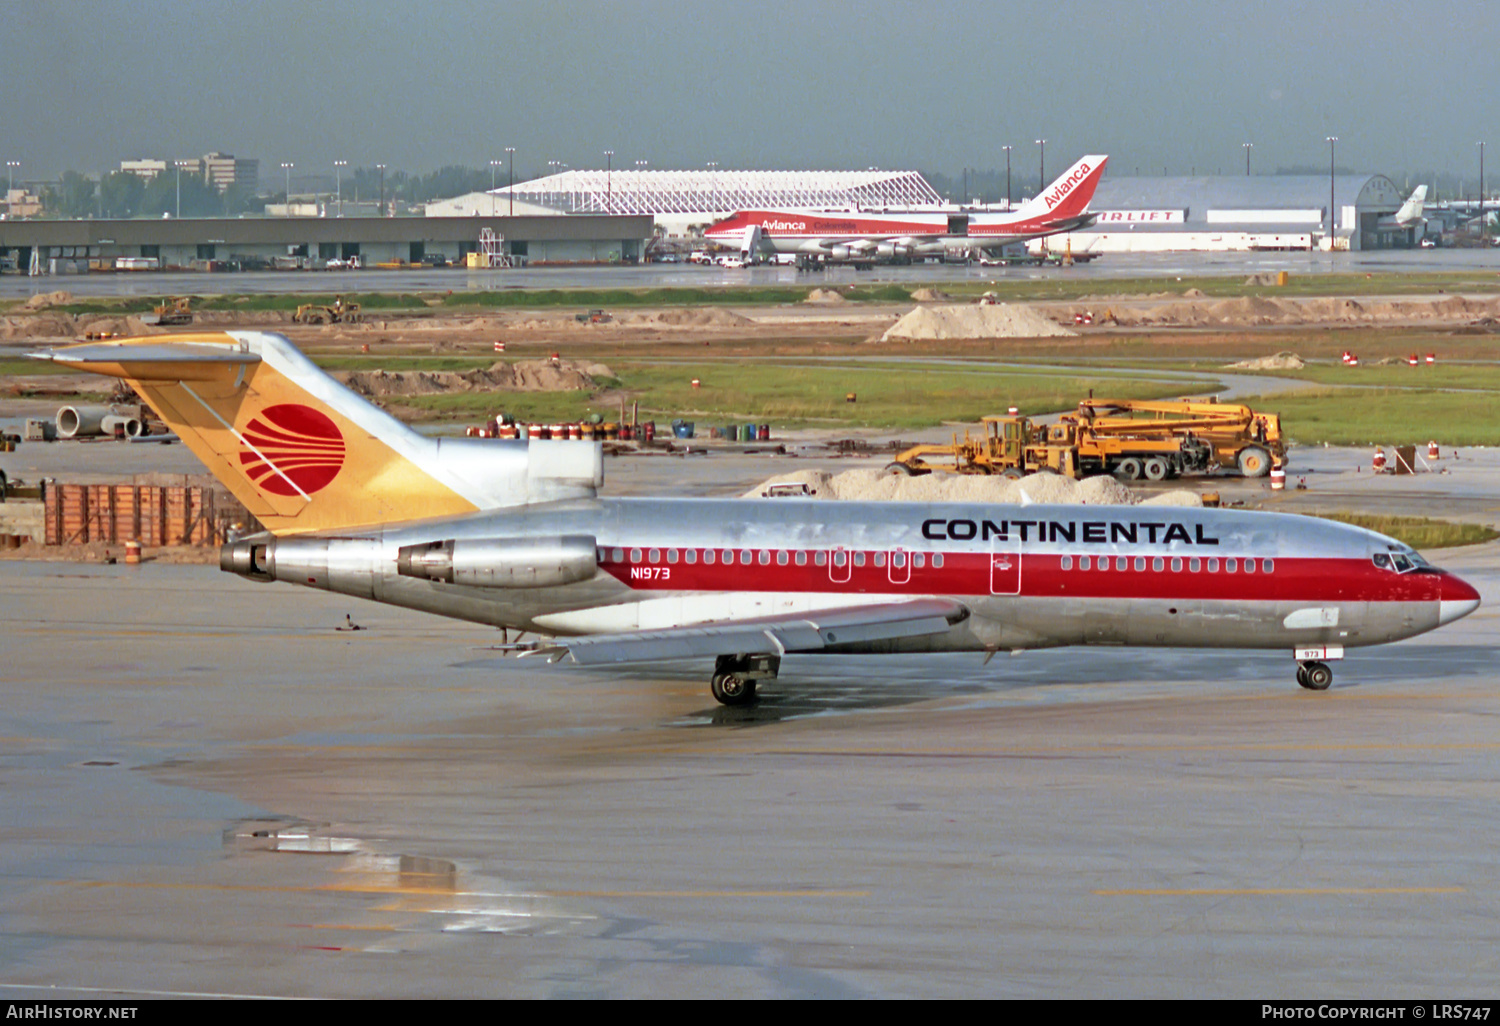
point(1248, 147)
point(1041, 167)
point(510, 174)
point(338, 181)
point(1484, 226)
point(179, 164)
point(10, 170)
point(288, 169)
point(381, 169)
point(493, 164)
point(713, 183)
point(1007, 150)
point(609, 160)
point(1333, 142)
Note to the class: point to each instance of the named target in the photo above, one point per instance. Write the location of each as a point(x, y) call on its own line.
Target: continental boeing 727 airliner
point(514, 534)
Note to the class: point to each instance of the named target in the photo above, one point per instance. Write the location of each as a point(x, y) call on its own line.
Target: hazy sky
point(765, 83)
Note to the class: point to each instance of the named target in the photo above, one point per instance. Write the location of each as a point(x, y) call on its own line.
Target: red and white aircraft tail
point(1061, 207)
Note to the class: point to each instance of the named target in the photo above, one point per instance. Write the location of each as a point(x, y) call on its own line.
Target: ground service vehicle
point(515, 534)
point(171, 311)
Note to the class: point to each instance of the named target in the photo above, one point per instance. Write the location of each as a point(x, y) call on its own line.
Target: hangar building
point(1239, 213)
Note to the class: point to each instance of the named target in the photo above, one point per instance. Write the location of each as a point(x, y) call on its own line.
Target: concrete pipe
point(81, 421)
point(115, 421)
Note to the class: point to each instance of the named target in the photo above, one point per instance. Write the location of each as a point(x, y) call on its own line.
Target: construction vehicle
point(1247, 441)
point(1131, 440)
point(338, 313)
point(171, 311)
point(1016, 446)
point(593, 317)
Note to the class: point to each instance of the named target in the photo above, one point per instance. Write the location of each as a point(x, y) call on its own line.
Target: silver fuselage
point(1031, 576)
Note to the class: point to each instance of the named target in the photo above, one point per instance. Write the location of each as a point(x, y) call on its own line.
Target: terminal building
point(59, 247)
point(1263, 212)
point(684, 201)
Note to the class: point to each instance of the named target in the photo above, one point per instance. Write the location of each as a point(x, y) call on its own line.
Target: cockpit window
point(1399, 562)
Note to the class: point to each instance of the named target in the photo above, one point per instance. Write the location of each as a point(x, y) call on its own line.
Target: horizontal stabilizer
point(792, 632)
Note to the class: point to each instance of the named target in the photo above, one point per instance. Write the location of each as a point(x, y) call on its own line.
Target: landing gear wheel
point(1254, 461)
point(1155, 469)
point(1314, 676)
point(1128, 469)
point(732, 689)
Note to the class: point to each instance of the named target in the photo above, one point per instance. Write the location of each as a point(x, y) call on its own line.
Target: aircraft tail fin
point(1411, 211)
point(304, 453)
point(1070, 194)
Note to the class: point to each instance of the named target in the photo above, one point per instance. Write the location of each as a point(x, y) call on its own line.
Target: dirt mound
point(1281, 361)
point(44, 325)
point(868, 485)
point(925, 295)
point(1261, 279)
point(1003, 320)
point(710, 317)
point(522, 376)
point(42, 300)
point(1193, 294)
point(825, 296)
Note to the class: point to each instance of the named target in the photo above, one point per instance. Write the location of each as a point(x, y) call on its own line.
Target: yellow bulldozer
point(339, 312)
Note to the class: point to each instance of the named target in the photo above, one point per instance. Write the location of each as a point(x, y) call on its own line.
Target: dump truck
point(339, 312)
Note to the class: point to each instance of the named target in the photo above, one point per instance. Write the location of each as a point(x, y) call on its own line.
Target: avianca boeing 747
point(514, 534)
point(859, 236)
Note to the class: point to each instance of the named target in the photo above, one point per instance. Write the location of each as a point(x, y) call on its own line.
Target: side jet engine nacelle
point(502, 562)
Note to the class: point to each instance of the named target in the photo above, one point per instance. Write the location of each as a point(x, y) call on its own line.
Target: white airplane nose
point(1448, 611)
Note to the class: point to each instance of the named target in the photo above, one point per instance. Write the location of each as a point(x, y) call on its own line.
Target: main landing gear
point(1314, 676)
point(735, 676)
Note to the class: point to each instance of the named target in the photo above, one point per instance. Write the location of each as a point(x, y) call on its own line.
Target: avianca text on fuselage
point(1091, 532)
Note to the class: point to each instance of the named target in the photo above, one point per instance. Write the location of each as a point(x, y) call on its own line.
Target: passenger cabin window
point(1213, 566)
point(801, 557)
point(708, 557)
point(1268, 565)
point(690, 556)
point(820, 558)
point(1176, 564)
point(937, 560)
point(781, 558)
point(1156, 563)
point(859, 559)
point(1122, 563)
point(619, 555)
point(671, 555)
point(635, 555)
point(1230, 566)
point(1084, 563)
point(919, 560)
point(655, 556)
point(1067, 562)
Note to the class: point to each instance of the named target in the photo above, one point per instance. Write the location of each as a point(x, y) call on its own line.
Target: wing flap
point(792, 632)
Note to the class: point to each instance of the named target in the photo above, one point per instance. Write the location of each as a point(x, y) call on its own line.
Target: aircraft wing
point(789, 632)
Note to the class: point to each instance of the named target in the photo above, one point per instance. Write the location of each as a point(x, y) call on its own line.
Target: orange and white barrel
point(1432, 357)
point(534, 431)
point(1278, 479)
point(132, 552)
point(1432, 451)
point(1377, 462)
point(1412, 360)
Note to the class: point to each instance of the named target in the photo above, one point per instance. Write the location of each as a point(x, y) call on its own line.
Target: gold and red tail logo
point(290, 449)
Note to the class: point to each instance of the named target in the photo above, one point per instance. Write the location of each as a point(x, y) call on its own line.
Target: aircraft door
point(1005, 566)
point(898, 566)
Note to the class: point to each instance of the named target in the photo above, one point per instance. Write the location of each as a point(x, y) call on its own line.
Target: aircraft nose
point(1456, 599)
